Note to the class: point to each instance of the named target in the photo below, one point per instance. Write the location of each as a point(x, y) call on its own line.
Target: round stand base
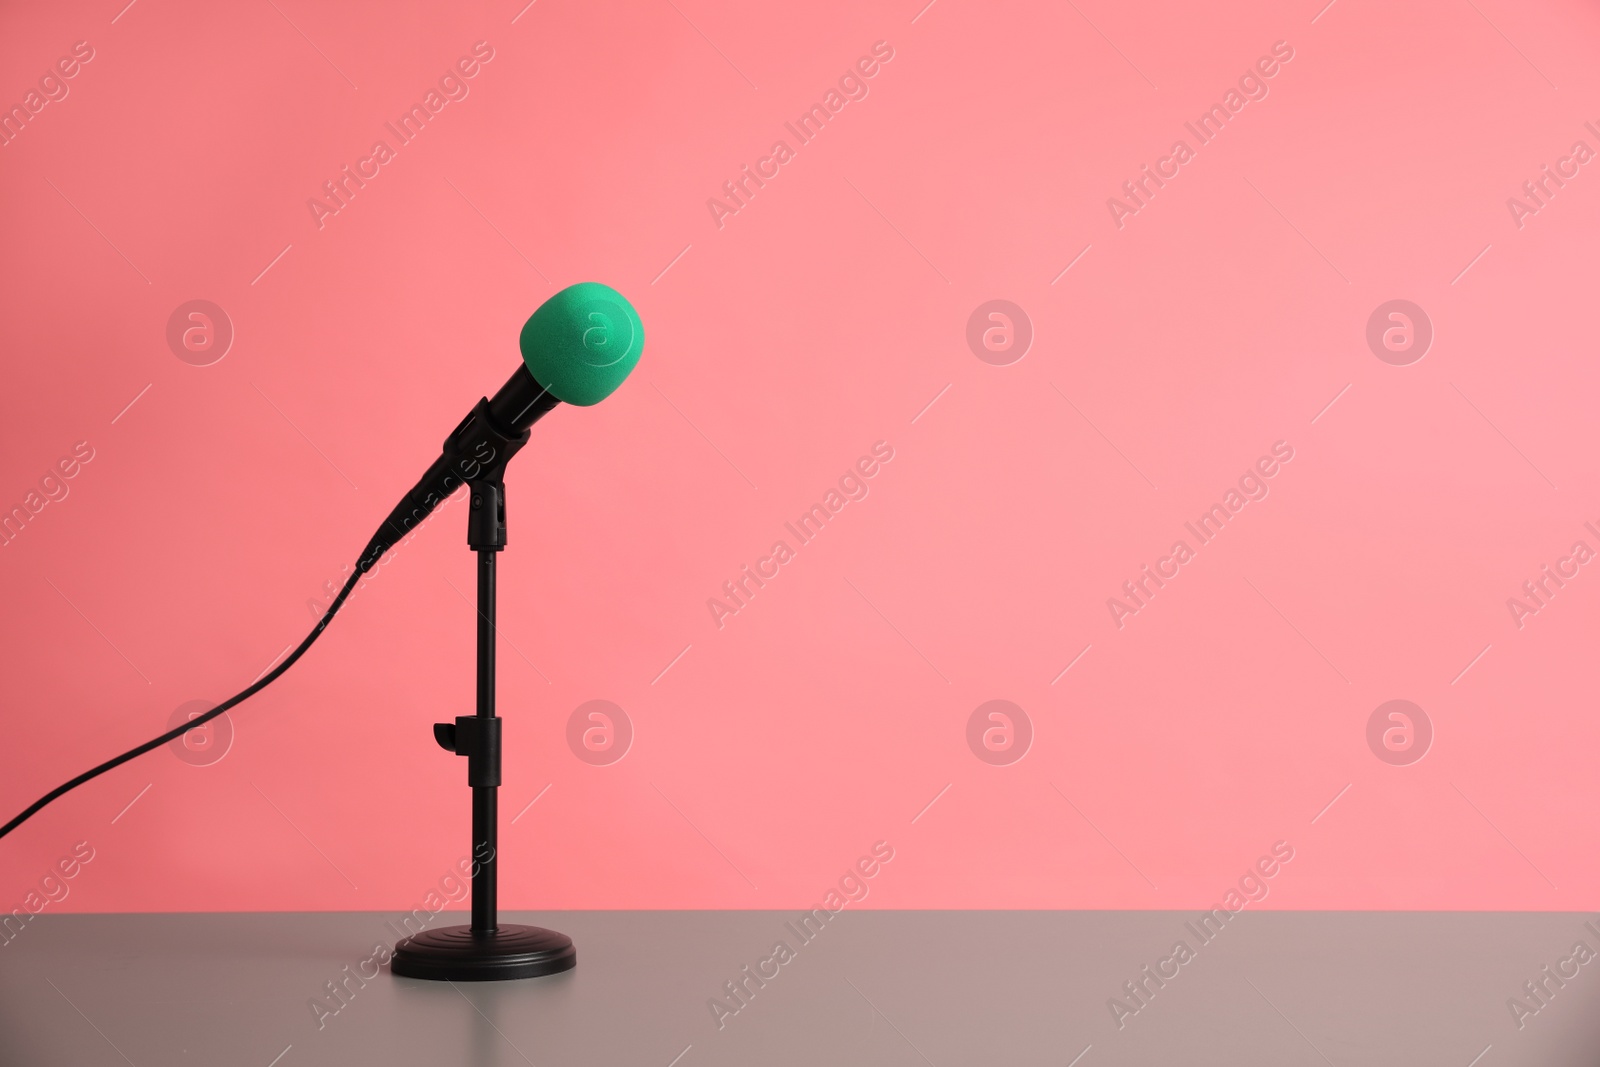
point(456, 954)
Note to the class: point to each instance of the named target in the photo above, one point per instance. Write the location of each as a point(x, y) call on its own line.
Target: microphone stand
point(487, 950)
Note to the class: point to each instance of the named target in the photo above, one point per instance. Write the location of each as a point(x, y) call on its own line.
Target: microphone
point(577, 349)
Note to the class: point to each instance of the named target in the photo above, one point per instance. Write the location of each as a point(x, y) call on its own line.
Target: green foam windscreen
point(582, 343)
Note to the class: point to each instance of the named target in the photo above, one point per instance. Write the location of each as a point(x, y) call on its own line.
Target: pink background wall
point(1224, 316)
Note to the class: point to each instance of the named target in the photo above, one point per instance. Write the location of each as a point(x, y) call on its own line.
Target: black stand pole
point(485, 950)
point(485, 798)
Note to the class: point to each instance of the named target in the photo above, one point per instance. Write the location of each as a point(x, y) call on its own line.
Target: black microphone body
point(478, 447)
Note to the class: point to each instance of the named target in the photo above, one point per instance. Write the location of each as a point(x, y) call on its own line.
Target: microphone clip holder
point(486, 515)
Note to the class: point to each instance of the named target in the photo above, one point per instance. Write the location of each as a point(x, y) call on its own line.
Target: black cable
point(198, 720)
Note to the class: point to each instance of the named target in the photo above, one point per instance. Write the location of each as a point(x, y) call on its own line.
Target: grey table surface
point(873, 987)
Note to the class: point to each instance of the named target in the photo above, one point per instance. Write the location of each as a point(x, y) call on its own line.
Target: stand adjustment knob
point(476, 737)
